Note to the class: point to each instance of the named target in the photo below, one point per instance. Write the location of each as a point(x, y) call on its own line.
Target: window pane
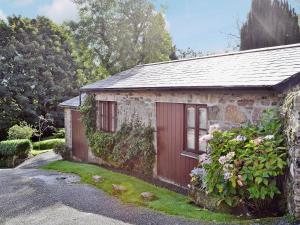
point(191, 138)
point(202, 118)
point(191, 117)
point(203, 144)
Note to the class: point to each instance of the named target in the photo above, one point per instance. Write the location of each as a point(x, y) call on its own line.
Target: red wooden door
point(79, 140)
point(170, 130)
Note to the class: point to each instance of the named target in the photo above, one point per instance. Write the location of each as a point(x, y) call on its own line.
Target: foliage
point(22, 131)
point(61, 149)
point(245, 163)
point(37, 70)
point(270, 23)
point(134, 148)
point(168, 201)
point(88, 114)
point(48, 144)
point(131, 147)
point(18, 148)
point(188, 53)
point(143, 38)
point(101, 144)
point(88, 70)
point(60, 133)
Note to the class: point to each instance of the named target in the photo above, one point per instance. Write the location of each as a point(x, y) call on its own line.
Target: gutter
point(262, 87)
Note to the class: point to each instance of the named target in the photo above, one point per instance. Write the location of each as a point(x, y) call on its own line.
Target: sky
point(203, 25)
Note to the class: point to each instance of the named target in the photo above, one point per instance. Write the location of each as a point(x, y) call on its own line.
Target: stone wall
point(292, 130)
point(225, 108)
point(68, 127)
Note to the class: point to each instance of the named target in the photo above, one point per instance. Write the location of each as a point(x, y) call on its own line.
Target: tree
point(173, 55)
point(37, 70)
point(120, 34)
point(188, 53)
point(270, 23)
point(89, 69)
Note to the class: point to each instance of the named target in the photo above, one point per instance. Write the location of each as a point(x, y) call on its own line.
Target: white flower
point(241, 138)
point(269, 137)
point(230, 155)
point(213, 128)
point(206, 138)
point(227, 175)
point(222, 160)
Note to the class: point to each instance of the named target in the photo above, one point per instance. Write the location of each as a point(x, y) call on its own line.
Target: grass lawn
point(37, 152)
point(168, 201)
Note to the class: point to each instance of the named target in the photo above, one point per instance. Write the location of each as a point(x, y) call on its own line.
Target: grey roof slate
point(73, 102)
point(264, 67)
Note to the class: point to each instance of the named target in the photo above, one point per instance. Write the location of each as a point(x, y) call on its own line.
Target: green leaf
point(258, 180)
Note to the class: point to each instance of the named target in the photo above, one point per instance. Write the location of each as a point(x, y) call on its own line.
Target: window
point(107, 116)
point(195, 128)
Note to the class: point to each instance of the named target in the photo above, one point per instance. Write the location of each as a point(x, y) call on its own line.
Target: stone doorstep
point(97, 179)
point(118, 188)
point(148, 196)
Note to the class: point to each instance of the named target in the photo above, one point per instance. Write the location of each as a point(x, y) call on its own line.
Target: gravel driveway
point(32, 196)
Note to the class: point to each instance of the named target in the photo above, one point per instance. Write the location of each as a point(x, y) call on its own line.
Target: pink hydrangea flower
point(206, 138)
point(222, 160)
point(213, 128)
point(204, 159)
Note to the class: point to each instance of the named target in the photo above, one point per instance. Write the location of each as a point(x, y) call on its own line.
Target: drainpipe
point(79, 98)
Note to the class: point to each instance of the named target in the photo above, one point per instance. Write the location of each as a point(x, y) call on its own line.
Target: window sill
point(190, 155)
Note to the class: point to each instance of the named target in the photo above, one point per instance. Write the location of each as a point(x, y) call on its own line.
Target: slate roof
point(266, 67)
point(73, 102)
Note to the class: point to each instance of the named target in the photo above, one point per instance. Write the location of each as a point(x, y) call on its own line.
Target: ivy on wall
point(130, 148)
point(289, 116)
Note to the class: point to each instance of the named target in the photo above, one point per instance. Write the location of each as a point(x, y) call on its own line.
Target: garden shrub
point(19, 148)
point(22, 131)
point(48, 144)
point(244, 164)
point(60, 133)
point(13, 152)
point(62, 150)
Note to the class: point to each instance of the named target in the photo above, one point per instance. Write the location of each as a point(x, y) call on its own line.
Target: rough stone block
point(234, 115)
point(97, 179)
point(118, 189)
point(256, 114)
point(245, 102)
point(148, 196)
point(214, 113)
point(265, 102)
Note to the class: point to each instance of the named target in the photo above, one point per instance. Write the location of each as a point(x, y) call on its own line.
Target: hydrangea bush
point(243, 164)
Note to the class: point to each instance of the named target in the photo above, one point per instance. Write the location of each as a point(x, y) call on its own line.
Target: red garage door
point(170, 130)
point(79, 141)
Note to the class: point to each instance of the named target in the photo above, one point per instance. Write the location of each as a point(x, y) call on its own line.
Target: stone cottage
point(181, 99)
